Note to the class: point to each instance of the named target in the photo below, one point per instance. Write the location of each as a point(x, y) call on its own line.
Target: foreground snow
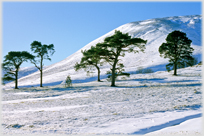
point(156, 103)
point(189, 127)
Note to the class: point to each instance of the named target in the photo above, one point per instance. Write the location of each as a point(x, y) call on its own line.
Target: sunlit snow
point(142, 104)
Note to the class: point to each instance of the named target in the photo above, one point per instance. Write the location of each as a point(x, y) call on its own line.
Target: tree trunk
point(98, 73)
point(175, 68)
point(41, 78)
point(16, 80)
point(175, 62)
point(41, 73)
point(113, 68)
point(113, 76)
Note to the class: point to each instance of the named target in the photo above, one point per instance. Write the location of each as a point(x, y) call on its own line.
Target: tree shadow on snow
point(171, 85)
point(38, 85)
point(157, 80)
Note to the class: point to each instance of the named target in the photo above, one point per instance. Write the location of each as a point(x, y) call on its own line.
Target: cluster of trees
point(14, 59)
point(177, 48)
point(109, 51)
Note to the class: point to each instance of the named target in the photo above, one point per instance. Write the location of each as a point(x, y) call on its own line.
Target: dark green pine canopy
point(12, 62)
point(42, 52)
point(91, 58)
point(178, 49)
point(116, 46)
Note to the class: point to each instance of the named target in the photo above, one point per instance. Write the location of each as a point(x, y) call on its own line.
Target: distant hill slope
point(152, 30)
point(23, 72)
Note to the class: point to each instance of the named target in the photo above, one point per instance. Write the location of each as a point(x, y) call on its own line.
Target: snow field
point(140, 104)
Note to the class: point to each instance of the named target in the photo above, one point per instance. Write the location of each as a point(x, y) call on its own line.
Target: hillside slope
point(152, 30)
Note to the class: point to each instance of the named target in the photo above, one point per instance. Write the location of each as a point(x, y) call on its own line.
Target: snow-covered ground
point(142, 104)
point(154, 103)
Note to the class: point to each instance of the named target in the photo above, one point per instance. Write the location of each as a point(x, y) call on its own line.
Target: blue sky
point(72, 25)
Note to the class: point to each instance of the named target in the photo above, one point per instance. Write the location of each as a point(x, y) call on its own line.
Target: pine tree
point(43, 52)
point(91, 58)
point(12, 63)
point(68, 81)
point(178, 49)
point(116, 46)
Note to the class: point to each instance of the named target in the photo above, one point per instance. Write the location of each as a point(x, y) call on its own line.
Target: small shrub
point(123, 78)
point(120, 74)
point(196, 92)
point(200, 63)
point(141, 70)
point(148, 70)
point(31, 126)
point(15, 126)
point(68, 81)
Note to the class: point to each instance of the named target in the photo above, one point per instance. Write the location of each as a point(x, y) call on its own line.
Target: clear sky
point(72, 25)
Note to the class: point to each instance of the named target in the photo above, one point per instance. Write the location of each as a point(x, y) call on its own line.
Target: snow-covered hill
point(24, 71)
point(152, 30)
